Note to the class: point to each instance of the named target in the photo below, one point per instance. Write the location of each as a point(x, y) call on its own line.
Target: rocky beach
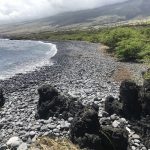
point(81, 70)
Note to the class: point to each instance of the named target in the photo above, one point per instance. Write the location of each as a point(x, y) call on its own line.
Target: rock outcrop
point(142, 127)
point(128, 105)
point(135, 103)
point(131, 107)
point(2, 99)
point(86, 131)
point(52, 103)
point(113, 106)
point(117, 139)
point(145, 98)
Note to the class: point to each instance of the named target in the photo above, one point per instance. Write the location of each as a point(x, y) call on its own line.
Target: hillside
point(124, 11)
point(121, 12)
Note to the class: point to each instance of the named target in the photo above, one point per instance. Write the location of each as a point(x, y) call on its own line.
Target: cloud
point(11, 10)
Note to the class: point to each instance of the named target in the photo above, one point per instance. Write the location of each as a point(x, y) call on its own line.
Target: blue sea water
point(19, 56)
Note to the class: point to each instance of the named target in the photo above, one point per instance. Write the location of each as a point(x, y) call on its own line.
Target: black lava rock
point(52, 103)
point(135, 103)
point(145, 98)
point(86, 131)
point(142, 127)
point(117, 139)
point(112, 105)
point(129, 92)
point(2, 99)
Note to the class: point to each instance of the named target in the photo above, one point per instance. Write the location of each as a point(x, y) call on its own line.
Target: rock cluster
point(145, 98)
point(86, 131)
point(134, 104)
point(52, 104)
point(134, 101)
point(142, 127)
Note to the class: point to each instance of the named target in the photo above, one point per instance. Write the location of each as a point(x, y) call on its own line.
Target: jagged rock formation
point(145, 98)
point(113, 106)
point(118, 138)
point(143, 128)
point(135, 103)
point(128, 105)
point(52, 103)
point(86, 131)
point(131, 106)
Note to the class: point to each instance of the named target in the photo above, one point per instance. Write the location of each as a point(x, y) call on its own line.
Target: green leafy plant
point(145, 54)
point(129, 49)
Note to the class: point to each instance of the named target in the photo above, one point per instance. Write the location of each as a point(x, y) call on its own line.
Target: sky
point(11, 10)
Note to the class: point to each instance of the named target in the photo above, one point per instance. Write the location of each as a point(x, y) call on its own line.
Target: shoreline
point(79, 70)
point(50, 52)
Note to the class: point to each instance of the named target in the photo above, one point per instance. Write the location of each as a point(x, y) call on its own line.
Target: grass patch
point(46, 143)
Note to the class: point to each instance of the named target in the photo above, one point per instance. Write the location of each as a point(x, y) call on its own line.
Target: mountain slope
point(128, 10)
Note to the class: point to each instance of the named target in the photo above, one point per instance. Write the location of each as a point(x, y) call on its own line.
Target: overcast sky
point(11, 10)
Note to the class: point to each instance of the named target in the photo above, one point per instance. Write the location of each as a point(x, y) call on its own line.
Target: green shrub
point(146, 32)
point(129, 49)
point(145, 53)
point(116, 35)
point(95, 39)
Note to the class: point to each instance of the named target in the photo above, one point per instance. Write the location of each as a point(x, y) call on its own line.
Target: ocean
point(21, 56)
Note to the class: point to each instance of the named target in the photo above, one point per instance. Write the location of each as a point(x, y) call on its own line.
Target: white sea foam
point(53, 48)
point(33, 64)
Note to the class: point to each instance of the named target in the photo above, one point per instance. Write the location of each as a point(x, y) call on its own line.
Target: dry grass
point(45, 143)
point(104, 49)
point(122, 74)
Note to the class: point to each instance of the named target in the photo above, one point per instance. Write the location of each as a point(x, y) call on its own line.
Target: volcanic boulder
point(52, 103)
point(117, 139)
point(129, 92)
point(142, 127)
point(2, 99)
point(145, 98)
point(113, 106)
point(85, 130)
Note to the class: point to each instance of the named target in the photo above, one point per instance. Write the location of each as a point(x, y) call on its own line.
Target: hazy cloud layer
point(28, 9)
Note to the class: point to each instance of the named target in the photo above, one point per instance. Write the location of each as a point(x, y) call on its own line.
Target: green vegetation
point(127, 43)
point(147, 75)
point(128, 49)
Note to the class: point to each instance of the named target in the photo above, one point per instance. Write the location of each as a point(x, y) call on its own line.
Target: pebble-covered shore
point(81, 70)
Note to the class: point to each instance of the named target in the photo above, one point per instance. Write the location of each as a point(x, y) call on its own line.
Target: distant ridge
point(125, 11)
point(120, 12)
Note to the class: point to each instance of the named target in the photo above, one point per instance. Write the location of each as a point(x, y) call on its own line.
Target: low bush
point(112, 37)
point(129, 49)
point(145, 54)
